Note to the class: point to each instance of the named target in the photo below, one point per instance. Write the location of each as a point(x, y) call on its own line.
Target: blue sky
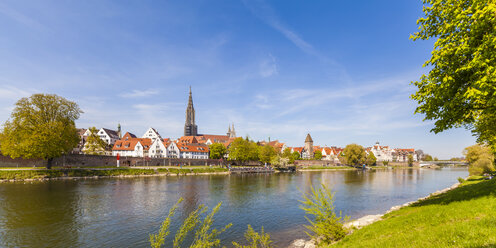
point(340, 70)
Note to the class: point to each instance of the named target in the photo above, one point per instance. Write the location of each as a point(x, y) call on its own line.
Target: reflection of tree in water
point(39, 214)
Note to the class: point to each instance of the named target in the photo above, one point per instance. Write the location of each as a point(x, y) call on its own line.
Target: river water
point(123, 212)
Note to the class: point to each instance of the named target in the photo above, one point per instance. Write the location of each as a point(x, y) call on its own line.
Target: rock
point(309, 244)
point(299, 243)
point(364, 221)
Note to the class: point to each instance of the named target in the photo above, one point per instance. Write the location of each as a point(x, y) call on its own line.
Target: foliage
point(265, 153)
point(204, 236)
point(38, 174)
point(354, 154)
point(410, 159)
point(256, 240)
point(326, 226)
point(385, 163)
point(279, 161)
point(317, 155)
point(462, 217)
point(287, 154)
point(480, 159)
point(94, 145)
point(41, 126)
point(157, 240)
point(436, 159)
point(243, 150)
point(460, 87)
point(427, 157)
point(217, 150)
point(371, 159)
point(295, 156)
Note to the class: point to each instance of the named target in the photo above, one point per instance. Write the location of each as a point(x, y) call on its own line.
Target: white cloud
point(268, 67)
point(139, 93)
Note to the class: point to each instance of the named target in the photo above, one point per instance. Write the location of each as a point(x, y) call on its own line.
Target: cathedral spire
point(190, 128)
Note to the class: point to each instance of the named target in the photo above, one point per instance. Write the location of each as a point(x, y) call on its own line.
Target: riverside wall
point(81, 160)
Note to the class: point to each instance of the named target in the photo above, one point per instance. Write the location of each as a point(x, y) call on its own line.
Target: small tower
point(233, 132)
point(119, 133)
point(229, 131)
point(309, 146)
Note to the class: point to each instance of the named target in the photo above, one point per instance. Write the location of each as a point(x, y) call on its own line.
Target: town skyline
point(267, 67)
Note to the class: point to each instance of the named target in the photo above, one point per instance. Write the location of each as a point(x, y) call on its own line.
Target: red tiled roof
point(129, 144)
point(192, 147)
point(187, 140)
point(215, 138)
point(128, 135)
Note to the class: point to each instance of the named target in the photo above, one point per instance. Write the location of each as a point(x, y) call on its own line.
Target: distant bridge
point(424, 163)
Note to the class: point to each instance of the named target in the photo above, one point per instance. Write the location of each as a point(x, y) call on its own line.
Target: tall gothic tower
point(190, 128)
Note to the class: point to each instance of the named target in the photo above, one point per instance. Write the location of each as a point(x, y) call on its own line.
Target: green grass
point(326, 168)
point(463, 217)
point(38, 174)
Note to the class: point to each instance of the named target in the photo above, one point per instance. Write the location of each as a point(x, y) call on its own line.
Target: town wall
point(81, 160)
point(314, 163)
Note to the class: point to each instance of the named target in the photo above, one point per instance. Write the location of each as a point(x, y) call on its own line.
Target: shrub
point(461, 180)
point(256, 240)
point(203, 237)
point(326, 225)
point(481, 166)
point(385, 163)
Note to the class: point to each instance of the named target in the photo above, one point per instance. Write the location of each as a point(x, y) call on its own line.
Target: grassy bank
point(463, 217)
point(326, 168)
point(23, 174)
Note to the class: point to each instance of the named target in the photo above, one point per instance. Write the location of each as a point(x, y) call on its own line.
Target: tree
point(317, 155)
point(266, 153)
point(480, 159)
point(288, 155)
point(371, 159)
point(41, 126)
point(354, 154)
point(243, 150)
point(295, 156)
point(217, 151)
point(410, 160)
point(427, 157)
point(94, 144)
point(459, 89)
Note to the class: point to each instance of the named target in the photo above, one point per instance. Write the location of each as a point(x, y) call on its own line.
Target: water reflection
point(123, 212)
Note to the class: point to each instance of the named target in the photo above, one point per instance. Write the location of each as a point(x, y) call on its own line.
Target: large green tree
point(460, 88)
point(217, 150)
point(94, 145)
point(266, 153)
point(354, 154)
point(480, 159)
point(41, 126)
point(243, 150)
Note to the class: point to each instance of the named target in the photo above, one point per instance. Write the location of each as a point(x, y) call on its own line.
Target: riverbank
point(10, 175)
point(462, 216)
point(324, 168)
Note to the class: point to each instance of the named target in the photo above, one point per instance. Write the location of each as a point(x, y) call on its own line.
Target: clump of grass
point(204, 236)
point(255, 239)
point(29, 174)
point(209, 170)
point(179, 171)
point(326, 226)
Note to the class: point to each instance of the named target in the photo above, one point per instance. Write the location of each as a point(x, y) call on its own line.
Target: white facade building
point(152, 134)
point(107, 135)
point(134, 147)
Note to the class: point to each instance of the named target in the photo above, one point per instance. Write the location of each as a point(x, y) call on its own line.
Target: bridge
point(444, 162)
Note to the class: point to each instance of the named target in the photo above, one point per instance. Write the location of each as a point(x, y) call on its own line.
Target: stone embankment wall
point(314, 163)
point(80, 160)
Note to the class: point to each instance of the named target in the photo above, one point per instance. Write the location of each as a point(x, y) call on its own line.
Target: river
point(122, 212)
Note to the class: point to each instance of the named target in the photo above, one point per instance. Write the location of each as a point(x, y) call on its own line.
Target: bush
point(256, 240)
point(461, 180)
point(326, 225)
point(481, 166)
point(203, 237)
point(385, 163)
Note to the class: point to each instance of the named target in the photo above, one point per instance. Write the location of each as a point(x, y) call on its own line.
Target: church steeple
point(190, 128)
